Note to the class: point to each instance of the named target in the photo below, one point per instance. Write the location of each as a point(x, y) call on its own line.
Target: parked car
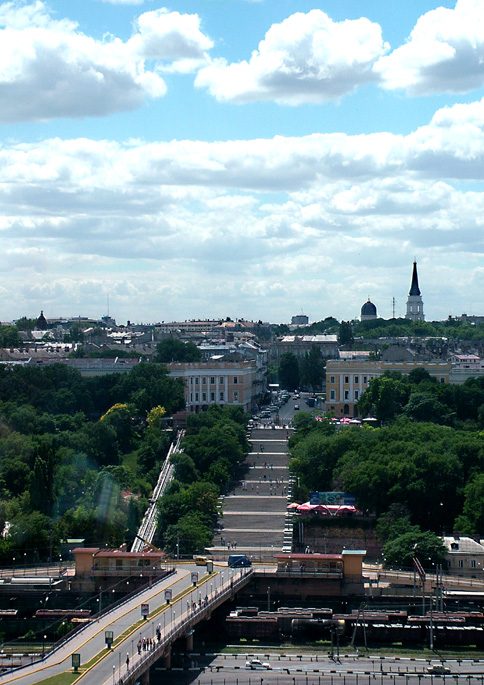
point(296, 407)
point(257, 664)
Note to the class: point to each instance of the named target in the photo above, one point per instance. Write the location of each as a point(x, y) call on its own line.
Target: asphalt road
point(305, 668)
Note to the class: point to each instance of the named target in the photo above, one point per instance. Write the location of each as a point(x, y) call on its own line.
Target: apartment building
point(232, 383)
point(346, 380)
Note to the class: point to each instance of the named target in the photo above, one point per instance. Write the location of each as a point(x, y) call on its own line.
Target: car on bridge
point(258, 665)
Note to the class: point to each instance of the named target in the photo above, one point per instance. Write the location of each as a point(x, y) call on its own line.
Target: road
point(299, 668)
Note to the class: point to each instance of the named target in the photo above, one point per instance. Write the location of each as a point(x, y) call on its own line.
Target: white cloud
point(305, 58)
point(445, 53)
point(49, 68)
point(125, 2)
point(242, 227)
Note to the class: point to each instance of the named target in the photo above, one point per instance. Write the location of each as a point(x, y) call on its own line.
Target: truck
point(239, 561)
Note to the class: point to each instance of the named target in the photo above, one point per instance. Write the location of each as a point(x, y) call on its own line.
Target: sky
point(245, 158)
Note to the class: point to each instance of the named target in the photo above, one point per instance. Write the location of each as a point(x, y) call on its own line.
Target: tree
point(345, 334)
point(312, 369)
point(289, 371)
point(385, 397)
point(174, 350)
point(189, 536)
point(472, 519)
point(427, 547)
point(184, 468)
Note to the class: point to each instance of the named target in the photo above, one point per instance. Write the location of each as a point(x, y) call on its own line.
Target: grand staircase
point(254, 517)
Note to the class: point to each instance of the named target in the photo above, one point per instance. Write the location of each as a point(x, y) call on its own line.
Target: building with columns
point(227, 383)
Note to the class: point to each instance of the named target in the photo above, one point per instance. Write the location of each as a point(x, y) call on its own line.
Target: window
point(236, 380)
point(347, 379)
point(357, 380)
point(220, 380)
point(196, 380)
point(196, 397)
point(191, 397)
point(221, 396)
point(212, 380)
point(473, 563)
point(191, 381)
point(236, 395)
point(442, 380)
point(212, 397)
point(357, 394)
point(332, 395)
point(347, 394)
point(461, 563)
point(331, 379)
point(204, 381)
point(204, 396)
point(364, 379)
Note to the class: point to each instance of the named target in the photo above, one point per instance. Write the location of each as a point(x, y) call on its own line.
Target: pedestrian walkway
point(254, 511)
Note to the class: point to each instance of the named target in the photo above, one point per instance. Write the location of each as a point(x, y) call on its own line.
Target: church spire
point(414, 289)
point(414, 301)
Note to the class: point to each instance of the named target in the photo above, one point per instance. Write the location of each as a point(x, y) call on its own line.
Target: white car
point(437, 669)
point(258, 665)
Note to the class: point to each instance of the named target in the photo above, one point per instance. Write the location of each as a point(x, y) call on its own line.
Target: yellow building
point(346, 380)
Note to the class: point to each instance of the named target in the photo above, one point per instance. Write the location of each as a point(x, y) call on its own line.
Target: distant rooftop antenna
point(393, 307)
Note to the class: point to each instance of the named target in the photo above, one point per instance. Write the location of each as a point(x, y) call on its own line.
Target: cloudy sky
point(240, 158)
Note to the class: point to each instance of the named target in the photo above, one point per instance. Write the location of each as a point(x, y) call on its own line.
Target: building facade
point(346, 380)
point(300, 346)
point(227, 383)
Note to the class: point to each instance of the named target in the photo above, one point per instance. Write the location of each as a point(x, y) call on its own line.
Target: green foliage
point(427, 547)
point(289, 371)
point(25, 324)
point(190, 535)
point(9, 336)
point(428, 469)
point(385, 397)
point(174, 350)
point(345, 334)
point(312, 369)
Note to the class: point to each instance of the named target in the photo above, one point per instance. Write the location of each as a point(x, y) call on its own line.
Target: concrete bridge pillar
point(145, 678)
point(167, 658)
point(189, 639)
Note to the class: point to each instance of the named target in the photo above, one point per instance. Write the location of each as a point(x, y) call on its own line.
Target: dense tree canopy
point(175, 350)
point(79, 456)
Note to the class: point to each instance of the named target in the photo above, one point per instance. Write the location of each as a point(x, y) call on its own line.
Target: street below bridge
point(301, 667)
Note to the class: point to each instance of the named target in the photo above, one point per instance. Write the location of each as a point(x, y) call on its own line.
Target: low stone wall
point(331, 537)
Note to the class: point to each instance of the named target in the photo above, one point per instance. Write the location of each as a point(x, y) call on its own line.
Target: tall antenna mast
point(393, 307)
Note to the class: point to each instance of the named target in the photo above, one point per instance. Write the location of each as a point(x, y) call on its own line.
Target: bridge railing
point(186, 621)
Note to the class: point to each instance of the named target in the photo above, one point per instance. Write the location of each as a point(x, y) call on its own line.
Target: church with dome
point(368, 311)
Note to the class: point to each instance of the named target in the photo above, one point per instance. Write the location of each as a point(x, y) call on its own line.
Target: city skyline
point(240, 158)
